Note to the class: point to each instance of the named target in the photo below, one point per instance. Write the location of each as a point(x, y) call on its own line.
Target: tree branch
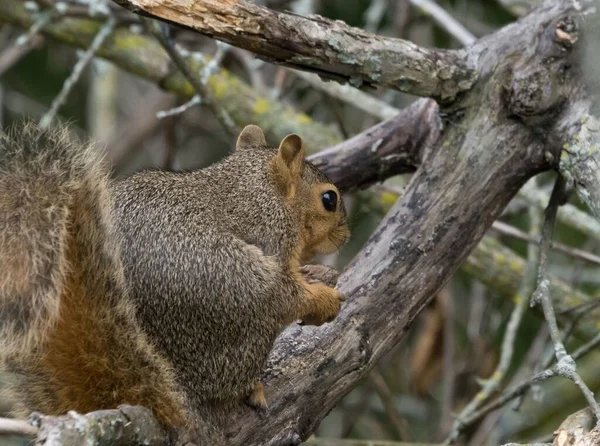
point(329, 48)
point(127, 425)
point(484, 156)
point(390, 148)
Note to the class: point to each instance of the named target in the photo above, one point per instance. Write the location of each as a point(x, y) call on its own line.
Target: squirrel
point(164, 289)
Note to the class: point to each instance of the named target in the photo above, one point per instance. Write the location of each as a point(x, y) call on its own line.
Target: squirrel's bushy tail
point(43, 180)
point(68, 335)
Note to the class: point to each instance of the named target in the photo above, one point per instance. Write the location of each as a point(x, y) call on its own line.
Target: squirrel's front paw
point(325, 304)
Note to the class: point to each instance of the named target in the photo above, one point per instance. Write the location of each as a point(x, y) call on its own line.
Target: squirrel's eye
point(329, 200)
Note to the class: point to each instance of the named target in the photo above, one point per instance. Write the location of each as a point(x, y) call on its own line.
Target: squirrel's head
point(323, 221)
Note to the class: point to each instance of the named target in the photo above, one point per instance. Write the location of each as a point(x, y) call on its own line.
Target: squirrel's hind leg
point(257, 398)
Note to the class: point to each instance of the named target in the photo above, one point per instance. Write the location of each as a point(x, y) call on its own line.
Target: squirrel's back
point(68, 335)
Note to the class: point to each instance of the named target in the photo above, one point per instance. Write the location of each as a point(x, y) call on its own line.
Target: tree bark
point(329, 48)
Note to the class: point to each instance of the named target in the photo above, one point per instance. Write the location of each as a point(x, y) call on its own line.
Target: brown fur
point(175, 307)
point(69, 336)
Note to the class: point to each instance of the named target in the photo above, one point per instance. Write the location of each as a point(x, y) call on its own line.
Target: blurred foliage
point(473, 325)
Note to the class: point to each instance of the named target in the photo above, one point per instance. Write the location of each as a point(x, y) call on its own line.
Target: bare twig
point(511, 231)
point(70, 82)
point(565, 363)
point(196, 100)
point(567, 214)
point(11, 55)
point(445, 20)
point(350, 95)
point(198, 82)
point(215, 63)
point(144, 57)
point(42, 20)
point(385, 395)
point(519, 389)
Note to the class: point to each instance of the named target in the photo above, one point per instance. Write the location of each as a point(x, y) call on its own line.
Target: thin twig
point(43, 19)
point(196, 100)
point(565, 365)
point(492, 384)
point(70, 82)
point(573, 252)
point(196, 81)
point(519, 389)
point(445, 20)
point(215, 63)
point(17, 427)
point(350, 95)
point(567, 214)
point(13, 54)
point(385, 395)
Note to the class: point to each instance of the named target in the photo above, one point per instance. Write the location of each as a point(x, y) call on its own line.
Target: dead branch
point(17, 427)
point(452, 199)
point(393, 147)
point(127, 425)
point(313, 43)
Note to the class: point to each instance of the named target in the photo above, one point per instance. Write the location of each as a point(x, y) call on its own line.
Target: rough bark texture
point(578, 430)
point(128, 425)
point(580, 163)
point(329, 48)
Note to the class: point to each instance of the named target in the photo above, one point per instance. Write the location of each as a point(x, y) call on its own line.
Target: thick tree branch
point(330, 48)
point(127, 425)
point(453, 198)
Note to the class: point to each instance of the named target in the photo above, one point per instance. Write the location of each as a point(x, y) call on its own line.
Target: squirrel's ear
point(291, 151)
point(251, 136)
point(289, 164)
